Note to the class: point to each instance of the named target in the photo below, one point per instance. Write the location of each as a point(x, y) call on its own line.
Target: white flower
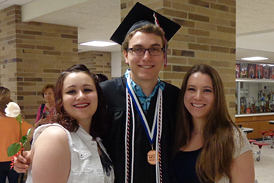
point(12, 109)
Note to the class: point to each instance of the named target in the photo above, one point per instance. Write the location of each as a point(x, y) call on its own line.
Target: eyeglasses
point(155, 51)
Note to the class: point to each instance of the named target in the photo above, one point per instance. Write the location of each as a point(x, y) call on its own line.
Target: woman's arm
point(50, 156)
point(242, 170)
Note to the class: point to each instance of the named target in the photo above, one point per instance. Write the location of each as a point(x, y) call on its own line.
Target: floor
point(264, 168)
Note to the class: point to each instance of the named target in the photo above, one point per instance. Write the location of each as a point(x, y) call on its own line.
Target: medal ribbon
point(150, 133)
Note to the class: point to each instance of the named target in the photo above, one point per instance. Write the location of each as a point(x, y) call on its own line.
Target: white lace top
point(240, 148)
point(86, 164)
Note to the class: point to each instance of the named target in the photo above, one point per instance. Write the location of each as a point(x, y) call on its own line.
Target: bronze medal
point(151, 157)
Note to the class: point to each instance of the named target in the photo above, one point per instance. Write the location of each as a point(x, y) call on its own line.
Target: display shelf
point(255, 95)
point(256, 114)
point(254, 80)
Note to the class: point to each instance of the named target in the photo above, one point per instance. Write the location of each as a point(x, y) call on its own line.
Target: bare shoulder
point(55, 131)
point(51, 155)
point(55, 135)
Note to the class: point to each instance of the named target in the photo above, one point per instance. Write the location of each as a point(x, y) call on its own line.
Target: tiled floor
point(264, 169)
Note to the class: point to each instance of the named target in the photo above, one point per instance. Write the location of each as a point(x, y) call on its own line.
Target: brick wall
point(98, 62)
point(32, 55)
point(8, 59)
point(207, 36)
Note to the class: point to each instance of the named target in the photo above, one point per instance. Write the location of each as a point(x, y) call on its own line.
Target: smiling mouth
point(146, 66)
point(197, 105)
point(81, 105)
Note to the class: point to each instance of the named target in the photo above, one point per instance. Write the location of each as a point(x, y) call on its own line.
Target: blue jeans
point(5, 172)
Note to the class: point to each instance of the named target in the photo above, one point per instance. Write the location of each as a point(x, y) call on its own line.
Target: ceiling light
point(98, 43)
point(254, 58)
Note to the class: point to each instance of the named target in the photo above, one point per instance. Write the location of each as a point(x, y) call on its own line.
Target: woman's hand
point(21, 163)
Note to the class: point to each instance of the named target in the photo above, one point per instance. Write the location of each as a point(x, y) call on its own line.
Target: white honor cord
point(126, 132)
point(126, 139)
point(158, 116)
point(133, 138)
point(158, 138)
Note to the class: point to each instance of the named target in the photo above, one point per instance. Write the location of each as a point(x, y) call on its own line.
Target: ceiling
point(255, 29)
point(98, 19)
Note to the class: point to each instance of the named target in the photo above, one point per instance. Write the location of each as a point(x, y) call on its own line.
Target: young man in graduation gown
point(142, 107)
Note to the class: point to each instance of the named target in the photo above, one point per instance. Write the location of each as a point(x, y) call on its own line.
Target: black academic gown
point(115, 94)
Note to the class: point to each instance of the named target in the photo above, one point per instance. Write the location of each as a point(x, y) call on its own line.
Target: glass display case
point(254, 96)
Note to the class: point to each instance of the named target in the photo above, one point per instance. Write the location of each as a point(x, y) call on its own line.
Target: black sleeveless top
point(183, 166)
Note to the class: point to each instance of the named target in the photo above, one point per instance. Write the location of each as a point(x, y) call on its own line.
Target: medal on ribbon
point(154, 134)
point(151, 133)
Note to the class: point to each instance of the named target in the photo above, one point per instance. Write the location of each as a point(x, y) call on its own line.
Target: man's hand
point(21, 163)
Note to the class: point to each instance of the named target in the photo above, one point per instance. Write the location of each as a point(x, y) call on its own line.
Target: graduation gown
point(115, 94)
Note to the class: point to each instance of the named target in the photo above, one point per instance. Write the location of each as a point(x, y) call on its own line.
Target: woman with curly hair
point(208, 145)
point(70, 149)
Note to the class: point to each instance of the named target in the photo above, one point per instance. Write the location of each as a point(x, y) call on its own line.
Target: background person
point(209, 146)
point(70, 149)
point(49, 107)
point(9, 134)
point(102, 77)
point(4, 92)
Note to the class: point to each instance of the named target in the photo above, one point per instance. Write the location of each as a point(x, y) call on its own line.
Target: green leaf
point(24, 139)
point(13, 149)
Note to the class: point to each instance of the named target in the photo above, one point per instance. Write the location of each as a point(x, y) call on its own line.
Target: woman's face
point(49, 95)
point(79, 95)
point(199, 96)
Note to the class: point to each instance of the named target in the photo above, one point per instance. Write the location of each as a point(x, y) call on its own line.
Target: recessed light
point(254, 58)
point(98, 43)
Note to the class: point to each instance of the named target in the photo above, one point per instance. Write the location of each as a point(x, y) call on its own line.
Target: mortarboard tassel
point(157, 23)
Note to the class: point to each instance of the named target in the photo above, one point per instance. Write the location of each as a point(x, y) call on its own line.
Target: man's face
point(144, 68)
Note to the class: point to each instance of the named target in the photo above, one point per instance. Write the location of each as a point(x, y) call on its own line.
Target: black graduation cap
point(140, 15)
